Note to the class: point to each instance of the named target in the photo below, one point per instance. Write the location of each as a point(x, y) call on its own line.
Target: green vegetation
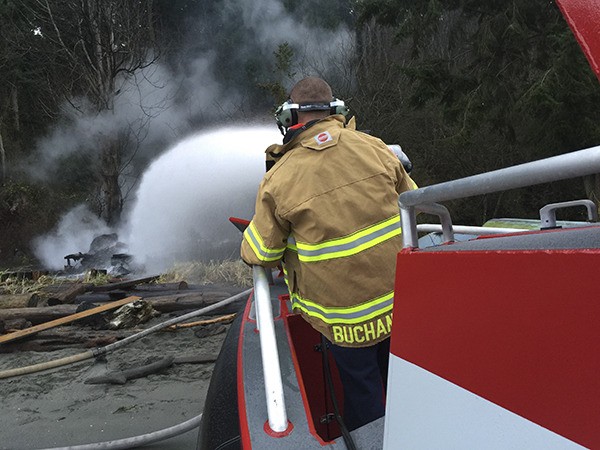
point(473, 86)
point(17, 284)
point(213, 272)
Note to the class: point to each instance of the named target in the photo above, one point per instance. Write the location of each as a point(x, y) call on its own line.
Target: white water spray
point(187, 195)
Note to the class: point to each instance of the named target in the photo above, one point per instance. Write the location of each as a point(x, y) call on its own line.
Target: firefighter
point(328, 209)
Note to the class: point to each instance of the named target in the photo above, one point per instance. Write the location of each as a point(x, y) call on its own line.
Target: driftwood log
point(9, 326)
point(48, 295)
point(63, 320)
point(162, 287)
point(164, 304)
point(37, 315)
point(28, 300)
point(224, 319)
point(121, 376)
point(123, 284)
point(67, 337)
point(191, 300)
point(64, 293)
point(145, 291)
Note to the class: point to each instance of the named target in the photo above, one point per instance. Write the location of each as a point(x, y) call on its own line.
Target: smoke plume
point(73, 234)
point(193, 179)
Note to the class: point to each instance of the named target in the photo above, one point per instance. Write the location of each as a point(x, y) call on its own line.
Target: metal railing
point(548, 212)
point(276, 411)
point(570, 165)
point(467, 229)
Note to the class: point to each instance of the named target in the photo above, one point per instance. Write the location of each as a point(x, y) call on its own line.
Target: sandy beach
point(56, 408)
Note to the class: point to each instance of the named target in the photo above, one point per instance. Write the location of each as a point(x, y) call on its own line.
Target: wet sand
point(55, 408)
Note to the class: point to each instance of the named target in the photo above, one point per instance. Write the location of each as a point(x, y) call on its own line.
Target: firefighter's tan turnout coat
point(329, 209)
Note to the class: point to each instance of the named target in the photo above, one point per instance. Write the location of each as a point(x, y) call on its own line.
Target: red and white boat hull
point(496, 348)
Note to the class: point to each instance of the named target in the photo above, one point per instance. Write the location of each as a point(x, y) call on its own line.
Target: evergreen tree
point(497, 83)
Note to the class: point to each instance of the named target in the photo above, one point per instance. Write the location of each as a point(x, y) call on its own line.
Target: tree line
point(465, 86)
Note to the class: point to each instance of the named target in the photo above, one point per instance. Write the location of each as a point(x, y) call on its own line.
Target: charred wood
point(161, 287)
point(123, 284)
point(61, 294)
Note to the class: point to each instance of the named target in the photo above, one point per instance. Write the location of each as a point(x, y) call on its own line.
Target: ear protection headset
point(287, 114)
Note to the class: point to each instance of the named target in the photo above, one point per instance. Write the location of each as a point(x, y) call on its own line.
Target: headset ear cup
point(285, 115)
point(343, 110)
point(285, 118)
point(338, 107)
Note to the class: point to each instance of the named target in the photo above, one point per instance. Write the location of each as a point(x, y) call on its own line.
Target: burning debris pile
point(105, 253)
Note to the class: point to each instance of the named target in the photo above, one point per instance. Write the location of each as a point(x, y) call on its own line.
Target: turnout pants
point(363, 372)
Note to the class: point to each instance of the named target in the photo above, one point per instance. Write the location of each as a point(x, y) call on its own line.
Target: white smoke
point(73, 234)
point(317, 51)
point(186, 195)
point(152, 107)
point(145, 113)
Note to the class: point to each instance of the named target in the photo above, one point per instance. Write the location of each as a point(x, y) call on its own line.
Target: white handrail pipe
point(276, 411)
point(562, 167)
point(468, 229)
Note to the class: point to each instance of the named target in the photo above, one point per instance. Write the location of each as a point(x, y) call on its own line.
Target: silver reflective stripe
point(291, 243)
point(264, 253)
point(347, 245)
point(350, 245)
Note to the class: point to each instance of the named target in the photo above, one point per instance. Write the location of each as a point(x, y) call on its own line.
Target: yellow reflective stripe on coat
point(347, 245)
point(256, 242)
point(285, 276)
point(345, 315)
